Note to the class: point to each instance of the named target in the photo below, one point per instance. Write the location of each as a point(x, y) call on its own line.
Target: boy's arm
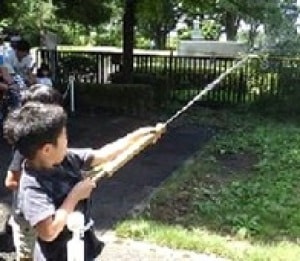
point(111, 151)
point(14, 171)
point(49, 228)
point(12, 179)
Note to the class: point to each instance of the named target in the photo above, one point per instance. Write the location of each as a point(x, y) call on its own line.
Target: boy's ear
point(46, 148)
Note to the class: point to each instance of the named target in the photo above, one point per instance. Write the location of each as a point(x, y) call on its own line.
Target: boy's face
point(54, 154)
point(60, 148)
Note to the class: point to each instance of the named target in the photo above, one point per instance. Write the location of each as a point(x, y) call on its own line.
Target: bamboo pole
point(109, 168)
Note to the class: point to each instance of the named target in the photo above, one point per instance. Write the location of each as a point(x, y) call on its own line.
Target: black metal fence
point(183, 77)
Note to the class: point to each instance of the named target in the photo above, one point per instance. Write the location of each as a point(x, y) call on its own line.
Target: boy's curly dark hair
point(42, 93)
point(33, 125)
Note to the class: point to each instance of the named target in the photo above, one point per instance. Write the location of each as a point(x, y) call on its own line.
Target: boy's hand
point(160, 129)
point(83, 189)
point(145, 130)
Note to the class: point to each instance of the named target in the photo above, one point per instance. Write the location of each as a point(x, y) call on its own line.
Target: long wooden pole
point(109, 168)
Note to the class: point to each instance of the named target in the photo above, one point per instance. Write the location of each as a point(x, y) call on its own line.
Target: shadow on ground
point(115, 196)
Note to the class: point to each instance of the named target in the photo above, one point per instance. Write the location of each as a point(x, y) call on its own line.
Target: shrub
point(125, 98)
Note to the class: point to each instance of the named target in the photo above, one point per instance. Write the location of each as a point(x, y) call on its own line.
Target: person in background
point(5, 67)
point(11, 44)
point(43, 75)
point(22, 63)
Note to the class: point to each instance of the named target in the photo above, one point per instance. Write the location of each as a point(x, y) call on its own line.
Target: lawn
point(237, 197)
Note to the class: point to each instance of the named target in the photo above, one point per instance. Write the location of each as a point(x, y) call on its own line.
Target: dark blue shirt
point(42, 192)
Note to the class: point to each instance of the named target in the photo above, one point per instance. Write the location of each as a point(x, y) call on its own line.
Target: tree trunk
point(252, 34)
point(160, 38)
point(128, 40)
point(231, 26)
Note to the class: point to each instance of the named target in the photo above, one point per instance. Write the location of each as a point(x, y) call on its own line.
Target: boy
point(51, 185)
point(22, 235)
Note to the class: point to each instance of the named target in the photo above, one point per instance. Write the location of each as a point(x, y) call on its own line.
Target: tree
point(230, 12)
point(155, 19)
point(128, 39)
point(29, 16)
point(86, 12)
point(282, 37)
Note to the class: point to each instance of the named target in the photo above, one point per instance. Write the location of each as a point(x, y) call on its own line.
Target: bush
point(124, 98)
point(159, 83)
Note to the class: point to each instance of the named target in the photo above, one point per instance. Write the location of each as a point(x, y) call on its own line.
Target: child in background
point(43, 75)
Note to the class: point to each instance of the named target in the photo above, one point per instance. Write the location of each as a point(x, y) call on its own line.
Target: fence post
point(72, 93)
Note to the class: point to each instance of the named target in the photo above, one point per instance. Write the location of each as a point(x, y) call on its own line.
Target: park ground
point(133, 184)
point(224, 183)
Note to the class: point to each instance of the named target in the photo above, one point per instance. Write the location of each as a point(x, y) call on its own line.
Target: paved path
point(132, 184)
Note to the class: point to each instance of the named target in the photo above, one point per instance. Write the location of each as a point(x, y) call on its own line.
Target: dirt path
point(116, 196)
point(129, 250)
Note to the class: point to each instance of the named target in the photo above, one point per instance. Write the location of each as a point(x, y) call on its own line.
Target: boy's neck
point(38, 165)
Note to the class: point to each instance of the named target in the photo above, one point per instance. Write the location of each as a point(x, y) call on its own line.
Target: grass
point(237, 198)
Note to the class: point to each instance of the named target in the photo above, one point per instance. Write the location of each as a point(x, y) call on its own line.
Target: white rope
point(110, 168)
point(209, 87)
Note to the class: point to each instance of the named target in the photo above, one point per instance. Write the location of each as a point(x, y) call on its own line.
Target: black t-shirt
point(42, 192)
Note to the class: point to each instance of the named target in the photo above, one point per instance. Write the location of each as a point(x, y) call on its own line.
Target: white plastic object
point(75, 247)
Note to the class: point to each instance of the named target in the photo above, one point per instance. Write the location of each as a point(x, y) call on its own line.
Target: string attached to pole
point(208, 88)
point(109, 168)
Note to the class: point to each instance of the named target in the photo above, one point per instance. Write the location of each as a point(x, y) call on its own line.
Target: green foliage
point(159, 85)
point(155, 19)
point(211, 29)
point(30, 17)
point(229, 13)
point(71, 20)
point(282, 37)
point(244, 185)
point(110, 37)
point(265, 204)
point(184, 34)
point(87, 12)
